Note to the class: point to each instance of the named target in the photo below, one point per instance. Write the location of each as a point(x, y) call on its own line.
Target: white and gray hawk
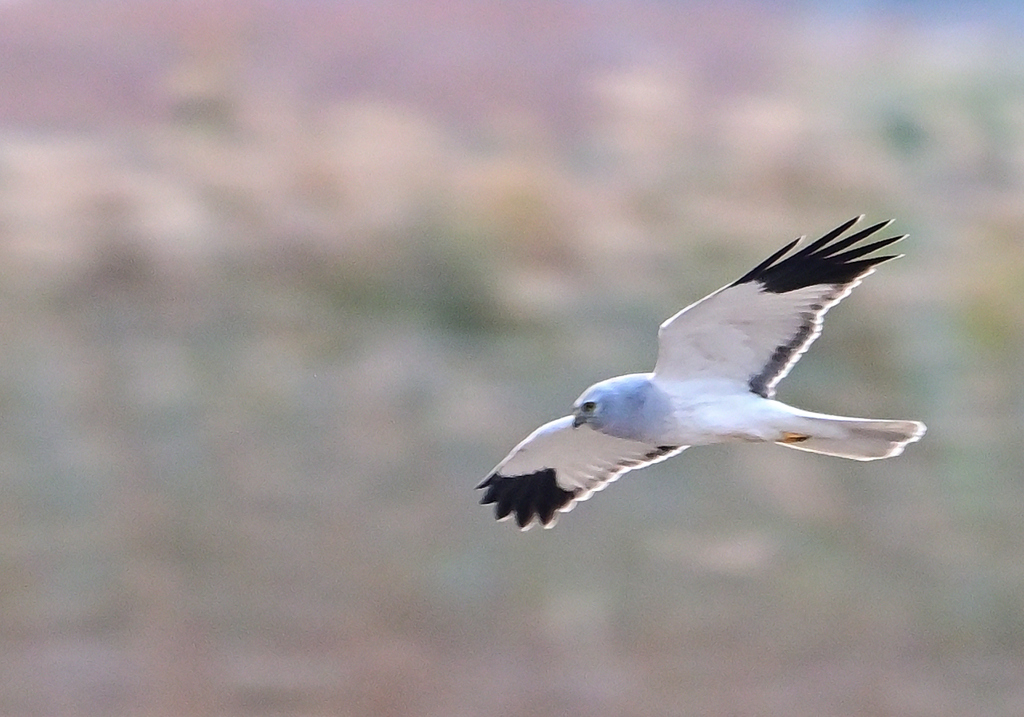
point(719, 361)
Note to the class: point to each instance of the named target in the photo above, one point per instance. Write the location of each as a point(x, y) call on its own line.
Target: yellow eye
point(588, 407)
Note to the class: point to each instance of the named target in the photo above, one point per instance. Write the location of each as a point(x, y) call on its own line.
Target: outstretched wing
point(559, 465)
point(756, 328)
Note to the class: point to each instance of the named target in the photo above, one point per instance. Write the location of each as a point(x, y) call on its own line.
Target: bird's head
point(589, 408)
point(618, 406)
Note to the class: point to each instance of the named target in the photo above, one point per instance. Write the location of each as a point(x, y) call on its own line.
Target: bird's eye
point(589, 406)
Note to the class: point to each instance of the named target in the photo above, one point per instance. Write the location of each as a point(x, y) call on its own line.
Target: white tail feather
point(862, 439)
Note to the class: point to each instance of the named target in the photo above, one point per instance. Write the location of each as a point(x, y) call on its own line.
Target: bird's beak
point(577, 421)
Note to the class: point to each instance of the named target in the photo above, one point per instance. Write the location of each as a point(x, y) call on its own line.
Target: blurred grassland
point(259, 351)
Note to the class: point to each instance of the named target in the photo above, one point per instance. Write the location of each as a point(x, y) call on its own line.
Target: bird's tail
point(862, 439)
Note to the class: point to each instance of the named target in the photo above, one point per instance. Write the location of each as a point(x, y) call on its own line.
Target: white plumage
point(719, 361)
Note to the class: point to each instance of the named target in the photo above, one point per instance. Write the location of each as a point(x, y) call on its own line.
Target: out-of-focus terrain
point(280, 282)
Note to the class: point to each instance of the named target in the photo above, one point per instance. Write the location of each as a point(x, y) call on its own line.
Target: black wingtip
point(526, 498)
point(818, 243)
point(827, 260)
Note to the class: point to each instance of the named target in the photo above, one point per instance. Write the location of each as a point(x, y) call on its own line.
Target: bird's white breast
point(715, 410)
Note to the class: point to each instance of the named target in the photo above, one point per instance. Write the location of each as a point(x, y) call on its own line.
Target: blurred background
point(280, 282)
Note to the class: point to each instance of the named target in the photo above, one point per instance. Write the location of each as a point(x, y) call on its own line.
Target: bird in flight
point(719, 361)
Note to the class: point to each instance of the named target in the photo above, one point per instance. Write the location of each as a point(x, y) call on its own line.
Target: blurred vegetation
point(259, 351)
